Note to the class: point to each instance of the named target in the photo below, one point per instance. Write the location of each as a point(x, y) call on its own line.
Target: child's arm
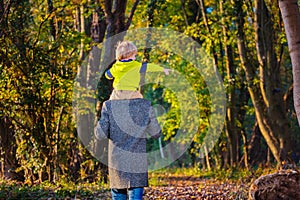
point(112, 72)
point(156, 68)
point(108, 75)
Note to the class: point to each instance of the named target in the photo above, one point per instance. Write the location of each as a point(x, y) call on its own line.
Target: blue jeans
point(131, 193)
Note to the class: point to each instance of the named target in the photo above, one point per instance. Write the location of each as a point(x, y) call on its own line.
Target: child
point(126, 72)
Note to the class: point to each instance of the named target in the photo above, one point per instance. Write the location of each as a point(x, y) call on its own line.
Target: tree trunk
point(231, 114)
point(291, 18)
point(270, 84)
point(281, 185)
point(266, 97)
point(105, 24)
point(245, 150)
point(257, 147)
point(8, 148)
point(98, 28)
point(3, 20)
point(202, 7)
point(207, 158)
point(51, 161)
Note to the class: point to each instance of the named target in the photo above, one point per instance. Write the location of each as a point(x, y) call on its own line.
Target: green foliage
point(241, 175)
point(171, 118)
point(36, 84)
point(38, 67)
point(215, 29)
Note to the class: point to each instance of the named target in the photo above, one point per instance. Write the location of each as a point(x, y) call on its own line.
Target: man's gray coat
point(126, 124)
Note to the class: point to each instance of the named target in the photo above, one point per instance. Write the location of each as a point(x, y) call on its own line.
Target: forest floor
point(178, 186)
point(191, 187)
point(163, 186)
point(188, 187)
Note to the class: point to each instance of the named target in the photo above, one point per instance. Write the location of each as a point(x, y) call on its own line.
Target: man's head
point(125, 50)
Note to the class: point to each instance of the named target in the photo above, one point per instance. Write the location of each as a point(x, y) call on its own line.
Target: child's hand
point(167, 71)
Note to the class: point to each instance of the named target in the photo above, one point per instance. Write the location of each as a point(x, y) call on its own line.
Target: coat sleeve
point(153, 127)
point(154, 68)
point(111, 73)
point(108, 75)
point(102, 128)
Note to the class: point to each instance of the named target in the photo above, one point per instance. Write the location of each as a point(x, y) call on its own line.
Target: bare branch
point(129, 20)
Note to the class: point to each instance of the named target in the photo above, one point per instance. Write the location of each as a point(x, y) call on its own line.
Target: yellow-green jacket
point(127, 74)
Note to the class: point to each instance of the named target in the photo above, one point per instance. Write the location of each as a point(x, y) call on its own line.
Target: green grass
point(13, 190)
point(231, 174)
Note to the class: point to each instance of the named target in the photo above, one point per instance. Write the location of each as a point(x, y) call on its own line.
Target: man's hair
point(125, 49)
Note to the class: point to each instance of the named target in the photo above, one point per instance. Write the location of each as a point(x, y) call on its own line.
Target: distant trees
point(42, 48)
point(263, 76)
point(249, 49)
point(36, 84)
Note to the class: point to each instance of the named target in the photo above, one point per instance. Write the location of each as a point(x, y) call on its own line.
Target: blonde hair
point(125, 49)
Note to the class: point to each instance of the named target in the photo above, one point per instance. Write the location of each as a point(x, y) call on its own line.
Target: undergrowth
point(10, 190)
point(230, 174)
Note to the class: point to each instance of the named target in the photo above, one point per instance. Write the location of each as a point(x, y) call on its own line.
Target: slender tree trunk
point(83, 116)
point(52, 156)
point(202, 7)
point(207, 158)
point(245, 150)
point(291, 18)
point(52, 25)
point(98, 28)
point(56, 148)
point(3, 20)
point(231, 117)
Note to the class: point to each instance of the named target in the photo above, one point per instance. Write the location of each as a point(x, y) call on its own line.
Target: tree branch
point(107, 8)
point(129, 20)
point(184, 12)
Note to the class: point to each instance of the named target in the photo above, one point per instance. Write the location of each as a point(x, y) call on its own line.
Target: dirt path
point(182, 187)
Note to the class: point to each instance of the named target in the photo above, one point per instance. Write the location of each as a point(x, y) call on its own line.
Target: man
point(126, 124)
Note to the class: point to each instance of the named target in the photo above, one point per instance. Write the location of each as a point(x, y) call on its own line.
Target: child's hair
point(125, 49)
